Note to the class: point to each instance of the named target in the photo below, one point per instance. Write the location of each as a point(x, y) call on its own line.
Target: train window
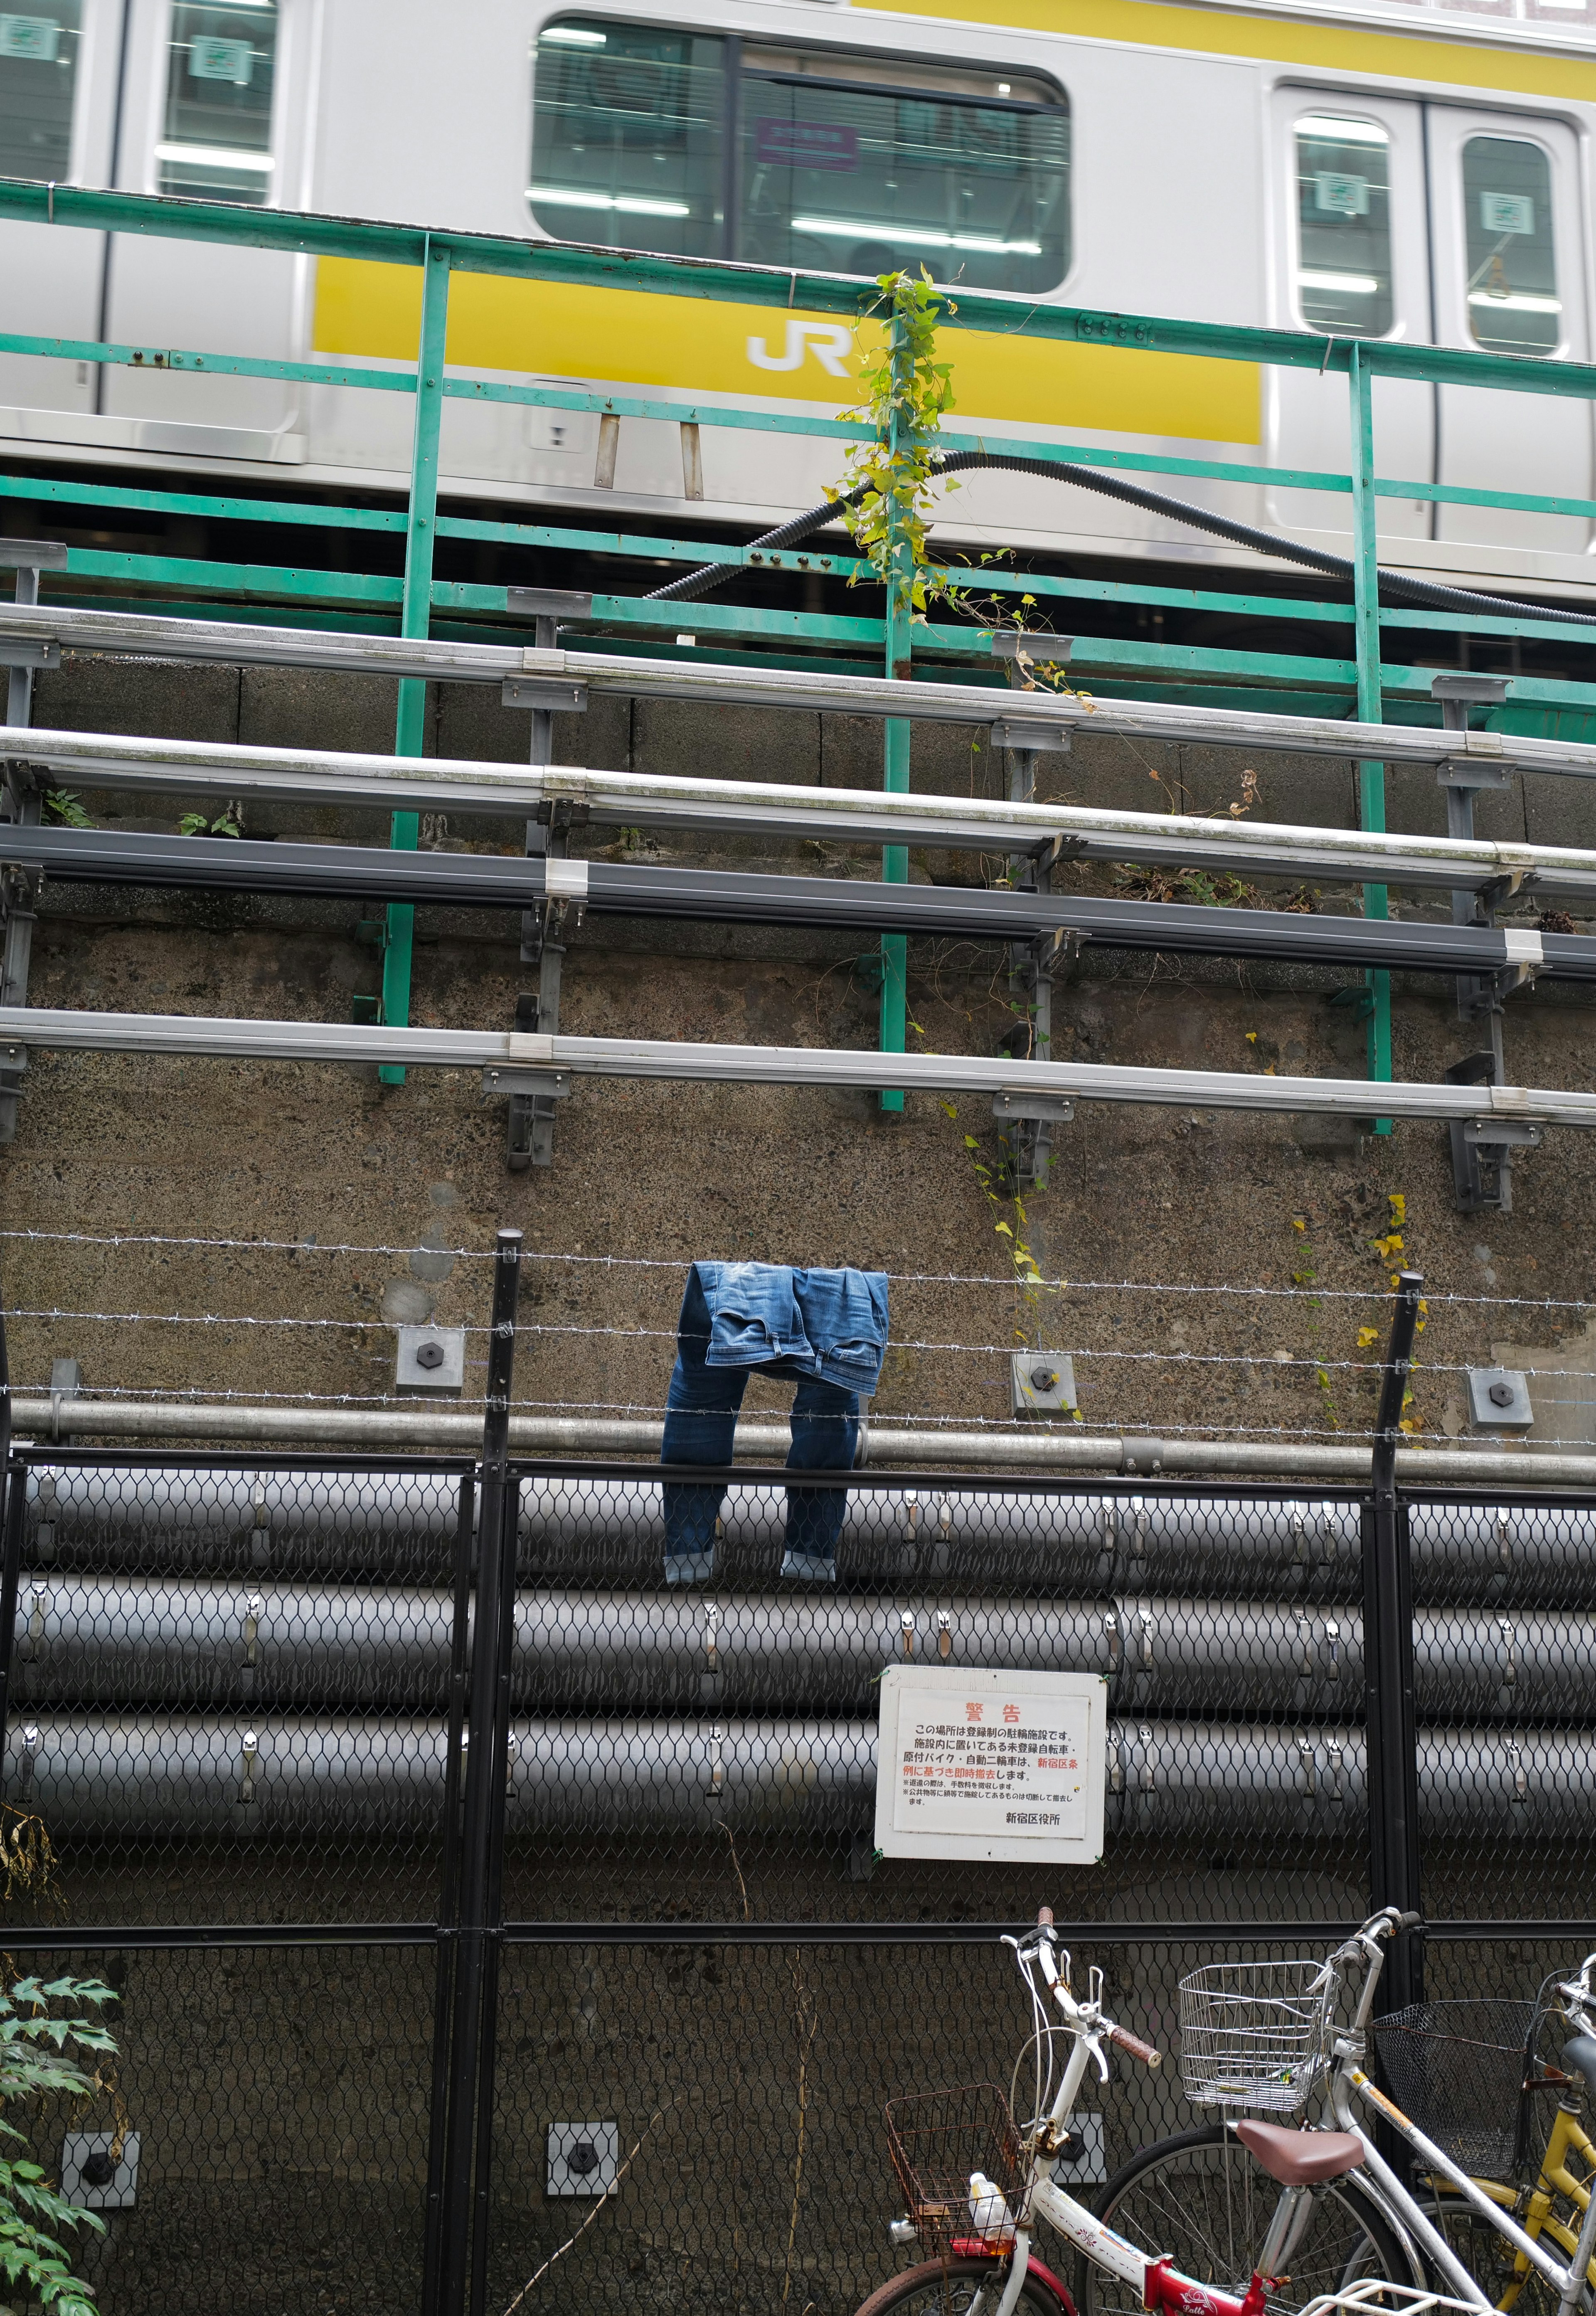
point(1343, 230)
point(842, 162)
point(216, 135)
point(628, 138)
point(857, 166)
point(38, 76)
point(1513, 307)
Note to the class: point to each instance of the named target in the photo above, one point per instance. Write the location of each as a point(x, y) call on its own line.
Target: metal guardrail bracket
point(1052, 739)
point(1057, 1108)
point(1500, 1133)
point(500, 1081)
point(1470, 773)
point(547, 692)
point(549, 602)
point(29, 651)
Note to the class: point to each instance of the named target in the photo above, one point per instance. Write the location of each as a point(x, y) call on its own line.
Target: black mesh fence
point(239, 1725)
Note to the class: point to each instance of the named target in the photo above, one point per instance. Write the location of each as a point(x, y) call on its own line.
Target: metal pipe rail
point(638, 799)
point(102, 1640)
point(557, 678)
point(164, 1776)
point(300, 231)
point(591, 1529)
point(514, 1061)
point(719, 896)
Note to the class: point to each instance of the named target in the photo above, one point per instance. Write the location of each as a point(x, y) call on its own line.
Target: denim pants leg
point(700, 1425)
point(824, 1438)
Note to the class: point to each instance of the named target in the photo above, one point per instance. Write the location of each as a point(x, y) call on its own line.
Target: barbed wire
point(680, 1263)
point(1171, 1356)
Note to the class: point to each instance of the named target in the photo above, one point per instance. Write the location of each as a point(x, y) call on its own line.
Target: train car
point(1408, 173)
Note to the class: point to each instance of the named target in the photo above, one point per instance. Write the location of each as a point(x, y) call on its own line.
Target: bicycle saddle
point(1300, 2158)
point(1580, 2053)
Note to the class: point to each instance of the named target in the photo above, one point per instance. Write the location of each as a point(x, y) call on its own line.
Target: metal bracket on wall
point(529, 1134)
point(525, 1084)
point(1482, 1150)
point(1483, 1147)
point(20, 800)
point(1033, 966)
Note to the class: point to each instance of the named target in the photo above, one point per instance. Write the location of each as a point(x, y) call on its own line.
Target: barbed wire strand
point(679, 1263)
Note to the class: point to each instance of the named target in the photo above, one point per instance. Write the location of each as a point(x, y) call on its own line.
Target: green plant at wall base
point(905, 392)
point(41, 2023)
point(195, 824)
point(62, 809)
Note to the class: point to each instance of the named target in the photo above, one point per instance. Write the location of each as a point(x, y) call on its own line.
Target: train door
point(216, 106)
point(1351, 260)
point(1511, 263)
point(55, 106)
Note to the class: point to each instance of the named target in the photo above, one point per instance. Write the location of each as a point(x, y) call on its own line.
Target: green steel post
point(900, 612)
point(1371, 777)
point(415, 620)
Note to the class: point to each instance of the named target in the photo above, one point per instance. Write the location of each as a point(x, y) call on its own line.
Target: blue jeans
point(701, 1423)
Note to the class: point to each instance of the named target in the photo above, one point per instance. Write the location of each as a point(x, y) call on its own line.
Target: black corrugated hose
point(694, 584)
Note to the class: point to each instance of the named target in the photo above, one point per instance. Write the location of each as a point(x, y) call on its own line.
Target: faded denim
point(827, 1329)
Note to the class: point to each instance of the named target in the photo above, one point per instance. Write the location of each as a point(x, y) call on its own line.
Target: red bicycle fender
point(978, 2248)
point(1060, 2291)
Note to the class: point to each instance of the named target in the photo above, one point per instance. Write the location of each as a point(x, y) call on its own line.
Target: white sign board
point(999, 1766)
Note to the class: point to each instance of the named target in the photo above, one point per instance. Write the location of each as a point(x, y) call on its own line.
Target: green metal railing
point(409, 604)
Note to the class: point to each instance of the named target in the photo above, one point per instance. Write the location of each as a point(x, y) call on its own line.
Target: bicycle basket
point(936, 2139)
point(1252, 2032)
point(1456, 2069)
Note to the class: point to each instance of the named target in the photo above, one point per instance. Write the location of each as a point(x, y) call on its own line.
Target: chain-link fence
point(444, 1853)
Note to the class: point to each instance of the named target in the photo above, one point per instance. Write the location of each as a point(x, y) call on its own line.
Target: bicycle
point(1461, 2227)
point(985, 2264)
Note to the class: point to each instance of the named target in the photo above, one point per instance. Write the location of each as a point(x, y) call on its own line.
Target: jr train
point(1409, 172)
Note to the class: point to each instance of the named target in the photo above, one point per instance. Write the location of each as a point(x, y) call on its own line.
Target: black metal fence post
point(5, 1416)
point(1391, 1732)
point(14, 1509)
point(449, 1899)
point(486, 1743)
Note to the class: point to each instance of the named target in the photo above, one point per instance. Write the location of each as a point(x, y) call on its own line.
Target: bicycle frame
point(1554, 2177)
point(1160, 2286)
point(1349, 2080)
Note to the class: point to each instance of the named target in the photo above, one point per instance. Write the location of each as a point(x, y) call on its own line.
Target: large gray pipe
point(104, 1642)
point(401, 1526)
point(158, 1776)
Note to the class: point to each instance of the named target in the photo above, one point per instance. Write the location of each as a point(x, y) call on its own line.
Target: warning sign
point(991, 1764)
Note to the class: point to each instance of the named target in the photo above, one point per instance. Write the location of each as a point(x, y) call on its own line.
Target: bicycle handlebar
point(1151, 2058)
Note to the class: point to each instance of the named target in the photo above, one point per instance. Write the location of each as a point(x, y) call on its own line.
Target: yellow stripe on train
point(625, 337)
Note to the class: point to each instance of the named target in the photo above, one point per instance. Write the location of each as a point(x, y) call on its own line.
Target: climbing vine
point(907, 389)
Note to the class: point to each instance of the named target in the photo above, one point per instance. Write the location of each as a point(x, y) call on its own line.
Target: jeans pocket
point(741, 1338)
point(861, 1355)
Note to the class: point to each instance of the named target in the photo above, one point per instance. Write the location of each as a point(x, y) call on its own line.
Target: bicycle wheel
point(1203, 2200)
point(958, 2287)
point(1487, 2256)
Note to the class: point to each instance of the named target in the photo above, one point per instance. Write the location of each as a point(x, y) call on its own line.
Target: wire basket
point(936, 2139)
point(1253, 2033)
point(1458, 2071)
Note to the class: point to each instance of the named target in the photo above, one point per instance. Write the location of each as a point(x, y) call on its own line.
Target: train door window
point(216, 136)
point(1343, 225)
point(864, 165)
point(629, 137)
point(1513, 305)
point(37, 80)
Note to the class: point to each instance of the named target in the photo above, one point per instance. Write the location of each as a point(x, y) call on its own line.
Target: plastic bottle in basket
point(989, 2210)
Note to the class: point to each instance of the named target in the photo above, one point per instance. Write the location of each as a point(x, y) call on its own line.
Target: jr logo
point(828, 342)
